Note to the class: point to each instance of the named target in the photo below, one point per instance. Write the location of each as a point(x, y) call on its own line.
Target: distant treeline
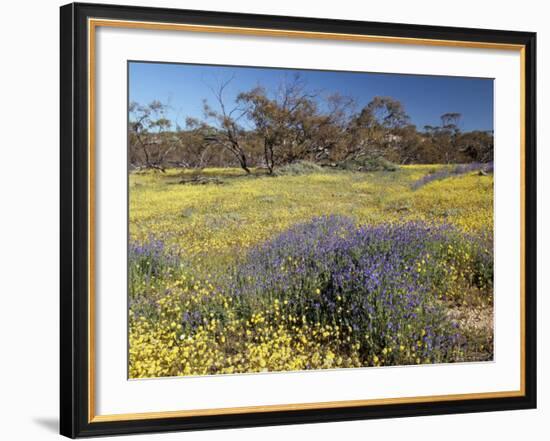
point(268, 129)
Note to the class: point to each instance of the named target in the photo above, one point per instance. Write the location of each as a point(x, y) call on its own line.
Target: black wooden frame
point(74, 220)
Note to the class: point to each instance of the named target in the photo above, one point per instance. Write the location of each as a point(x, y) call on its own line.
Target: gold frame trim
point(92, 25)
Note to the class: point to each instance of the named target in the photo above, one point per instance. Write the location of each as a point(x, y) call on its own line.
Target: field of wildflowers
point(329, 269)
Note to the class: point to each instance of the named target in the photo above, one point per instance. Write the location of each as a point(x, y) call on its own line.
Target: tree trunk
point(242, 161)
point(268, 156)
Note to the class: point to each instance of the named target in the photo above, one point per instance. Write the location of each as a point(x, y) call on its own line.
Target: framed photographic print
point(273, 220)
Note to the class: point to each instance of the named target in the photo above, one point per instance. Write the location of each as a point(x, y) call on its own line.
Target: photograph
point(294, 220)
point(270, 220)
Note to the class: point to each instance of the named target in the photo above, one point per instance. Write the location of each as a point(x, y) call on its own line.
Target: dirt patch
point(476, 326)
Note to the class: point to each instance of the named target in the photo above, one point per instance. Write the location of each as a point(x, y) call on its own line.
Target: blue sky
point(425, 98)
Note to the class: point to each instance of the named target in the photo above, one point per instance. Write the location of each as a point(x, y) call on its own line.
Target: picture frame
point(81, 173)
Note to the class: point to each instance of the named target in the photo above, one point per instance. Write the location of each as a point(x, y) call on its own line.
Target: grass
point(186, 318)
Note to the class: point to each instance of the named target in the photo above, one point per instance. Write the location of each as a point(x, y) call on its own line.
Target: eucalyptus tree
point(150, 136)
point(224, 129)
point(284, 120)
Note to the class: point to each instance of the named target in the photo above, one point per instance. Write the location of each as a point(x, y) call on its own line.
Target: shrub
point(367, 164)
point(299, 168)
